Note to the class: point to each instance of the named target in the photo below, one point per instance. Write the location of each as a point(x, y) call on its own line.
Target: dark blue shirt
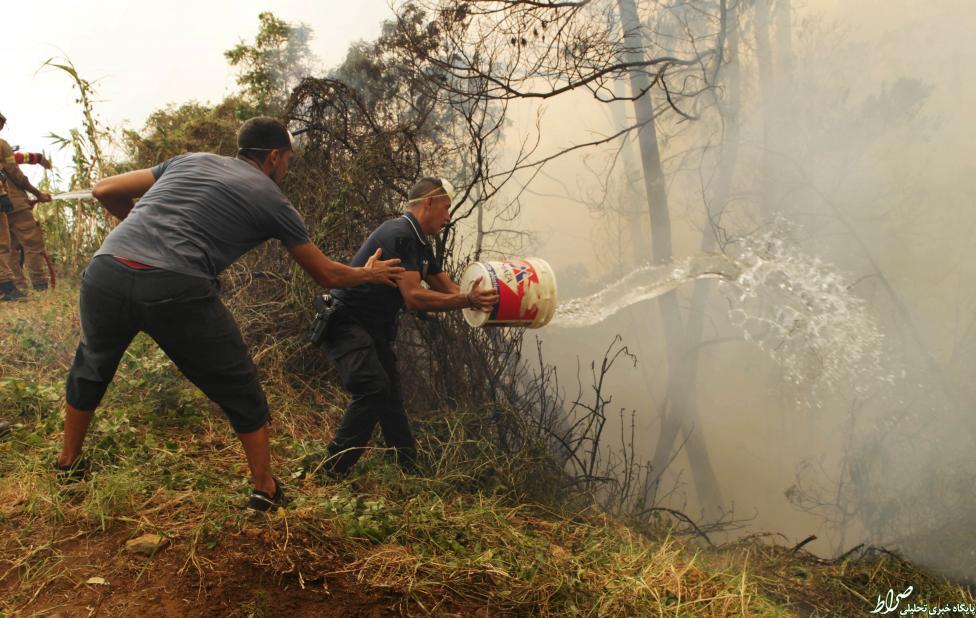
point(377, 306)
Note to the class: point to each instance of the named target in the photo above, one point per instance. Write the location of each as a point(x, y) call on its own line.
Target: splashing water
point(801, 312)
point(794, 306)
point(644, 283)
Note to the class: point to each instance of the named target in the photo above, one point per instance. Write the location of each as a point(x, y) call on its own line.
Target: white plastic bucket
point(526, 289)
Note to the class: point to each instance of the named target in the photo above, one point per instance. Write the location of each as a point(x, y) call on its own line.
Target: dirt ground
point(223, 582)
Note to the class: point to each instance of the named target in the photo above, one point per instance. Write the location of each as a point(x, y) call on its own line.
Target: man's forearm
point(118, 193)
point(431, 300)
point(442, 283)
point(334, 274)
point(327, 273)
point(119, 207)
point(331, 274)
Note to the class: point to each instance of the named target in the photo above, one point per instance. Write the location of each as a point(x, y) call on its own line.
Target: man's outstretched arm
point(118, 193)
point(331, 274)
point(416, 298)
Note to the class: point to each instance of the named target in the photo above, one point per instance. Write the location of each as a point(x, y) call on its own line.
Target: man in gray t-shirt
point(157, 273)
point(202, 213)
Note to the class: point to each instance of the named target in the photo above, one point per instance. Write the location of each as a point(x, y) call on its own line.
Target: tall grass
point(75, 228)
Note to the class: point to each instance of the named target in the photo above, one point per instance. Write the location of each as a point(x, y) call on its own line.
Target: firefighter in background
point(18, 220)
point(17, 265)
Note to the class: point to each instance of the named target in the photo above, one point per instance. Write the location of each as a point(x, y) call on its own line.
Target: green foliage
point(115, 492)
point(26, 398)
point(272, 64)
point(30, 340)
point(362, 517)
point(190, 127)
point(166, 395)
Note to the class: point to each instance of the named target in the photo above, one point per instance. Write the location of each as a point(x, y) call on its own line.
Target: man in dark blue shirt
point(360, 334)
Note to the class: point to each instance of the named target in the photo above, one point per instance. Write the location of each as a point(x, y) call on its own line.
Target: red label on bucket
point(511, 279)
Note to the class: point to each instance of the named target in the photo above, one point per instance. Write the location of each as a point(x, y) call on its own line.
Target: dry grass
point(462, 539)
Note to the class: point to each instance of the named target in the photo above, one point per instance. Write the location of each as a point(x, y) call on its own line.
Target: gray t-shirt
point(204, 212)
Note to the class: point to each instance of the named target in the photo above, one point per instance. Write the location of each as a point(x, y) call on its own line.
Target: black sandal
point(260, 502)
point(75, 473)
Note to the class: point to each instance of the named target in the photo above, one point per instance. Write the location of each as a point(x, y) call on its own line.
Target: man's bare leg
point(76, 424)
point(258, 453)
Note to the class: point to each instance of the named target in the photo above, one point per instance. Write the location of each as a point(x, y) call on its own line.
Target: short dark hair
point(425, 187)
point(260, 135)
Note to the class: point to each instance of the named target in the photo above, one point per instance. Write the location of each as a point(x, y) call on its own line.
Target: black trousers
point(367, 368)
point(185, 317)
